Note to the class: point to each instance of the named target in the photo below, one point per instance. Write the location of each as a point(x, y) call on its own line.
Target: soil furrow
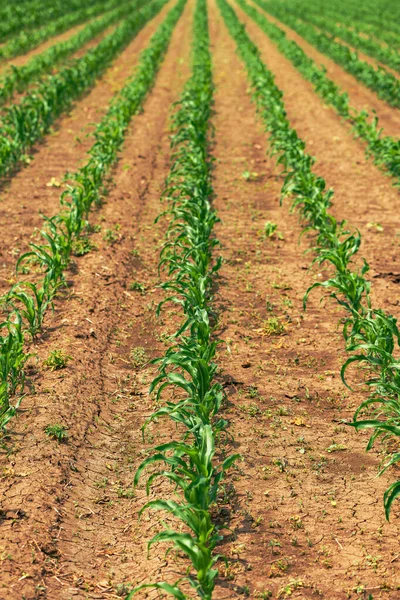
point(18, 96)
point(364, 195)
point(82, 528)
point(36, 189)
point(360, 97)
point(306, 511)
point(362, 56)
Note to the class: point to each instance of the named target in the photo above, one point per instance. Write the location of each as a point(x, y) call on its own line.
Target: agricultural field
point(199, 294)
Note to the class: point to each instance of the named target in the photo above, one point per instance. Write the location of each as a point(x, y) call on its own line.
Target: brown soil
point(360, 96)
point(18, 96)
point(364, 195)
point(303, 510)
point(30, 192)
point(81, 533)
point(305, 515)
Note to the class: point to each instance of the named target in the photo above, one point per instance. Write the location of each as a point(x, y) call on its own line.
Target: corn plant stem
point(371, 335)
point(28, 302)
point(384, 149)
point(188, 366)
point(18, 78)
point(26, 123)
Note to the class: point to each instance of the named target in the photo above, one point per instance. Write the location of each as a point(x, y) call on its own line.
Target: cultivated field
point(199, 293)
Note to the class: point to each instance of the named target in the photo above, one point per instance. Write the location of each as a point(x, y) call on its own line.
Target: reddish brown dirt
point(360, 96)
point(18, 96)
point(30, 192)
point(306, 516)
point(304, 508)
point(79, 535)
point(364, 195)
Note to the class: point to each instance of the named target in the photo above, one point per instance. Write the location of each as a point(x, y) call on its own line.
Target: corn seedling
point(384, 149)
point(371, 335)
point(27, 302)
point(187, 370)
point(25, 123)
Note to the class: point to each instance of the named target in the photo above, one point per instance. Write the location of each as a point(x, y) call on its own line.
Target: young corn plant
point(187, 370)
point(18, 78)
point(378, 79)
point(372, 336)
point(12, 362)
point(25, 123)
point(384, 150)
point(27, 302)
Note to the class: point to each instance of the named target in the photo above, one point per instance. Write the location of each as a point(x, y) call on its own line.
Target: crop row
point(382, 82)
point(38, 13)
point(368, 45)
point(384, 149)
point(372, 336)
point(25, 40)
point(25, 123)
point(363, 17)
point(187, 370)
point(18, 78)
point(27, 302)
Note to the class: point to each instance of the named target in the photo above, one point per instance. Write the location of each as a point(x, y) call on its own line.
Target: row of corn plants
point(27, 39)
point(384, 149)
point(18, 78)
point(365, 19)
point(25, 123)
point(187, 370)
point(372, 336)
point(36, 13)
point(382, 82)
point(27, 302)
point(384, 54)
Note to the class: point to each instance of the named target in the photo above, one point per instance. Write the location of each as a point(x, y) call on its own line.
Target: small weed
point(252, 409)
point(288, 589)
point(57, 432)
point(252, 391)
point(249, 175)
point(57, 359)
point(274, 544)
point(125, 493)
point(82, 246)
point(138, 356)
point(296, 522)
point(137, 287)
point(336, 448)
point(273, 326)
point(376, 226)
point(111, 236)
point(271, 230)
point(122, 589)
